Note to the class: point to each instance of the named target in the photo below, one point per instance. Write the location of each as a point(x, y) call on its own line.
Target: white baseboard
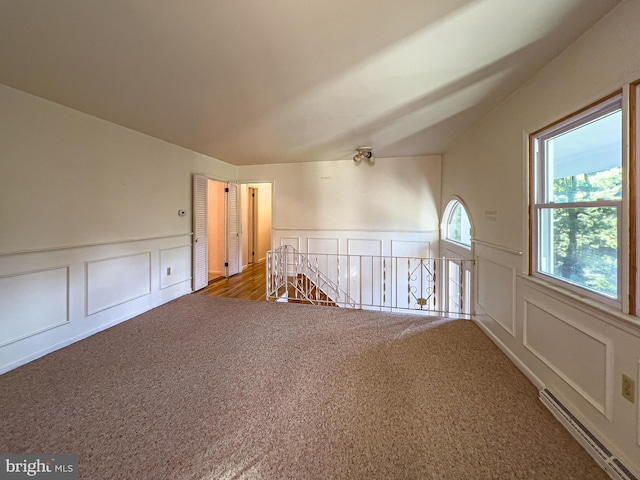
point(533, 378)
point(610, 463)
point(68, 341)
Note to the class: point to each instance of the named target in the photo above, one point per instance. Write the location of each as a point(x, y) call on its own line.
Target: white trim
point(48, 327)
point(638, 403)
point(321, 239)
point(399, 232)
point(212, 177)
point(525, 212)
point(68, 341)
point(516, 361)
point(497, 247)
point(630, 324)
point(97, 244)
point(283, 241)
point(605, 408)
point(446, 215)
point(186, 279)
point(160, 275)
point(514, 275)
point(107, 307)
point(372, 240)
point(543, 200)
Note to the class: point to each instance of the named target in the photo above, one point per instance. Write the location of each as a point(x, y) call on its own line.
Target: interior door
point(232, 228)
point(200, 277)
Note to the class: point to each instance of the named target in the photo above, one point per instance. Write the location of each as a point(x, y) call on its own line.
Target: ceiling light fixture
point(364, 153)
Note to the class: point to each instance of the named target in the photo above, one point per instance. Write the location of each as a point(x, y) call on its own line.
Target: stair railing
point(293, 275)
point(387, 283)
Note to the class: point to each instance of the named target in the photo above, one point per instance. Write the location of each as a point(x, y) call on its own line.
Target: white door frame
point(200, 227)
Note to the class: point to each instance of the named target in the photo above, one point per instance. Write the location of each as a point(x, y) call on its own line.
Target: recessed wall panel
point(175, 266)
point(114, 281)
point(323, 245)
point(495, 292)
point(32, 302)
point(292, 241)
point(357, 246)
point(367, 284)
point(580, 358)
point(408, 248)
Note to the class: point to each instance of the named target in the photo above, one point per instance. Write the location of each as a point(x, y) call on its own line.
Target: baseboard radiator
point(601, 454)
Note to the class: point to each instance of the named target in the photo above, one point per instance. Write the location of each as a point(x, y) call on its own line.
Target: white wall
point(89, 224)
point(328, 207)
point(577, 350)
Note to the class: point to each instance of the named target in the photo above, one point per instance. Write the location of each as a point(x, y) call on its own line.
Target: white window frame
point(540, 193)
point(448, 212)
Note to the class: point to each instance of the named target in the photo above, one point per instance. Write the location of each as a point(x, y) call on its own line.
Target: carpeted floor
point(215, 388)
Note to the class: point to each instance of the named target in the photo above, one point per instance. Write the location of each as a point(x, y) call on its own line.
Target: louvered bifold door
point(232, 229)
point(200, 237)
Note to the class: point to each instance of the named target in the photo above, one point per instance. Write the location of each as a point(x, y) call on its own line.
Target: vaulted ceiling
point(272, 81)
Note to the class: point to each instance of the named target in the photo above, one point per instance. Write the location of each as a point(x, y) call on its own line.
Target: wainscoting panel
point(323, 245)
point(364, 273)
point(404, 248)
point(114, 281)
point(51, 298)
point(581, 358)
point(175, 266)
point(361, 242)
point(495, 291)
point(292, 241)
point(32, 302)
point(356, 246)
point(356, 242)
point(579, 350)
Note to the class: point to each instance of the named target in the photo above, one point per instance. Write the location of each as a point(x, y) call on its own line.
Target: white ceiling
point(272, 81)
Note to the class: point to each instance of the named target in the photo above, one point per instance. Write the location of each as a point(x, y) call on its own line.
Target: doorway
point(215, 227)
point(256, 200)
point(216, 230)
point(221, 213)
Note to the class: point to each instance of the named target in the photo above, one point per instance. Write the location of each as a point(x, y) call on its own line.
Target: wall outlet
point(628, 388)
point(168, 270)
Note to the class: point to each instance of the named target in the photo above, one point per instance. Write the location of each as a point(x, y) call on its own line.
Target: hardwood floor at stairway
point(248, 285)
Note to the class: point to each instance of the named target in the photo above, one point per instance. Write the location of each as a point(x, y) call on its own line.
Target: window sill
point(611, 315)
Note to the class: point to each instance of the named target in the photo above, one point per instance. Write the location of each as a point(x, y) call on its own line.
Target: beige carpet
point(214, 388)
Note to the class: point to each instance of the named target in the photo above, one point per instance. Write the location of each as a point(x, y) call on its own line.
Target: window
point(577, 195)
point(457, 224)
